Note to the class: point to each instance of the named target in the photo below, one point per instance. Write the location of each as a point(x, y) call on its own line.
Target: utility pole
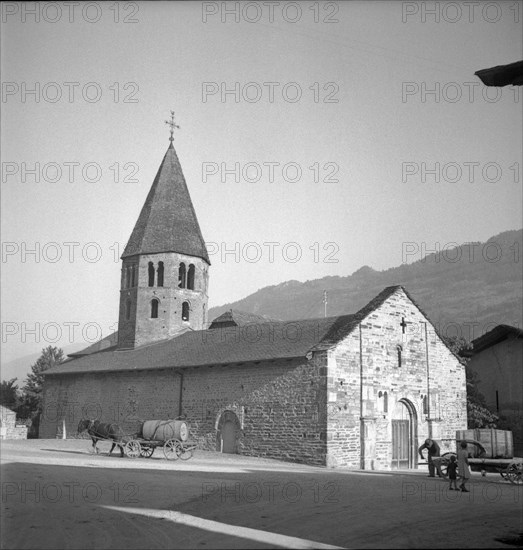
point(325, 303)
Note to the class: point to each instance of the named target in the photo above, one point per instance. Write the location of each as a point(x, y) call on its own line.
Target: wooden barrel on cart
point(497, 443)
point(163, 430)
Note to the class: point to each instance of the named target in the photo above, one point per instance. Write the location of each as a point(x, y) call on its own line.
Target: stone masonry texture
point(327, 409)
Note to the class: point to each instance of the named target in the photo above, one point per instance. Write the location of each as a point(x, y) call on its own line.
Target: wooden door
point(400, 443)
point(228, 437)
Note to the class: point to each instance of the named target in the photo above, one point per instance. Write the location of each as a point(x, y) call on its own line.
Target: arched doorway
point(404, 435)
point(229, 428)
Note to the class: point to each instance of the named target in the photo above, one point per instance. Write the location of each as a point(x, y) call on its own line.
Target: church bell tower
point(165, 265)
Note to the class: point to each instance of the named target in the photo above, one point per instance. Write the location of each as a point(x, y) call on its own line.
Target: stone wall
point(8, 427)
point(278, 404)
point(124, 398)
point(404, 386)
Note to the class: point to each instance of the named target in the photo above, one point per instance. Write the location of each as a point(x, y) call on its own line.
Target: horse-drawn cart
point(496, 458)
point(171, 435)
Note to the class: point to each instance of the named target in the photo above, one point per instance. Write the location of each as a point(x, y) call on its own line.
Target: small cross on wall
point(403, 325)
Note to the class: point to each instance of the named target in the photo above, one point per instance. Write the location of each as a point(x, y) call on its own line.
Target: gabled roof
point(235, 317)
point(226, 345)
point(167, 222)
point(340, 330)
point(220, 346)
point(495, 336)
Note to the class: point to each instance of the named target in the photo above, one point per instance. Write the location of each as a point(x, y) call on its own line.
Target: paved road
point(57, 495)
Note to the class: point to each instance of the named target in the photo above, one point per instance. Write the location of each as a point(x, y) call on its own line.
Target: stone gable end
point(379, 374)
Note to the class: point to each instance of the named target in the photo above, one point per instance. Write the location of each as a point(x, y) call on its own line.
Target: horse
point(100, 430)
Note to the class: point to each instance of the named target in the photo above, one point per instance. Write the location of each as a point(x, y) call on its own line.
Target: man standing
point(433, 456)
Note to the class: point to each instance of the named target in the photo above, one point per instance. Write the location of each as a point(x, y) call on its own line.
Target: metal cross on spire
point(172, 125)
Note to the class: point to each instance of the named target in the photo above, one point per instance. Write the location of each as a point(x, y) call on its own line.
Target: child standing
point(451, 471)
point(463, 466)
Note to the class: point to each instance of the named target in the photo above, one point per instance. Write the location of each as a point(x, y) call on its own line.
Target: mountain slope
point(472, 283)
point(465, 291)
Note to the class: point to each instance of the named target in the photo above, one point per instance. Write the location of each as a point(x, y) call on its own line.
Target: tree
point(31, 401)
point(478, 414)
point(9, 393)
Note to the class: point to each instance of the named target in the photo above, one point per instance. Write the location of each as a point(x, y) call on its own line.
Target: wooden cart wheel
point(146, 452)
point(186, 454)
point(514, 473)
point(133, 448)
point(172, 449)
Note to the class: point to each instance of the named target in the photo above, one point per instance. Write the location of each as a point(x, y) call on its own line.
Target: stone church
point(358, 391)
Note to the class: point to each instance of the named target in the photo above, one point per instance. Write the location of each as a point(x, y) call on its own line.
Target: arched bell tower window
point(154, 308)
point(190, 277)
point(160, 274)
point(185, 311)
point(151, 274)
point(128, 310)
point(182, 276)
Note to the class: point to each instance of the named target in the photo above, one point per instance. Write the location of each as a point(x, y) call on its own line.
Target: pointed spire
point(167, 222)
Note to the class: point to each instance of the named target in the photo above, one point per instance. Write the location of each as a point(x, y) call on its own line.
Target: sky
point(337, 131)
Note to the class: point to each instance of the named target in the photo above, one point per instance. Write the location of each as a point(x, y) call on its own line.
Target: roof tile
point(167, 222)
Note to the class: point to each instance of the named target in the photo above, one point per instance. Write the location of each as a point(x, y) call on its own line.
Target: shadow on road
point(79, 505)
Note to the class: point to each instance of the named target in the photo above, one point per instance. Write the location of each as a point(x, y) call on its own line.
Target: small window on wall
point(383, 401)
point(133, 276)
point(128, 310)
point(151, 274)
point(160, 274)
point(185, 311)
point(154, 309)
point(425, 405)
point(127, 281)
point(190, 277)
point(399, 349)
